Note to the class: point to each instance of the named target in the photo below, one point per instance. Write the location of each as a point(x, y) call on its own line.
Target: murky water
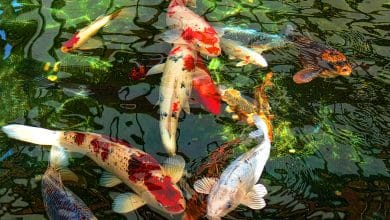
point(330, 157)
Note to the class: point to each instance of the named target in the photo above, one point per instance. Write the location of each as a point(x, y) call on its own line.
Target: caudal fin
point(32, 134)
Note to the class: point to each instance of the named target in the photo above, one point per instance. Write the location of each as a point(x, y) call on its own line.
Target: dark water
point(330, 157)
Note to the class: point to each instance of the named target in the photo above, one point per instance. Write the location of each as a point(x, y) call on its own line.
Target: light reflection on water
point(341, 125)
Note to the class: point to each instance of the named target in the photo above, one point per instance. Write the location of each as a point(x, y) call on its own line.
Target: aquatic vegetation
point(14, 94)
point(284, 140)
point(76, 113)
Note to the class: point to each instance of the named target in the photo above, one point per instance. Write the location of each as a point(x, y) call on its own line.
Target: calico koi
point(175, 91)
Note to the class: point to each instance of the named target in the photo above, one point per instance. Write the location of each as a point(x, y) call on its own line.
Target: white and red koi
point(235, 50)
point(152, 183)
point(190, 28)
point(175, 91)
point(59, 201)
point(83, 35)
point(238, 182)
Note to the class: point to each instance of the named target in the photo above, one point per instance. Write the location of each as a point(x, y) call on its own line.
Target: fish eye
point(228, 205)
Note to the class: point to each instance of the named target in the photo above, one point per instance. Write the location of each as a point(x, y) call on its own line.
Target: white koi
point(238, 182)
point(153, 184)
point(235, 50)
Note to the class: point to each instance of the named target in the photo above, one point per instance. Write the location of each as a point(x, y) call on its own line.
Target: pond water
point(330, 155)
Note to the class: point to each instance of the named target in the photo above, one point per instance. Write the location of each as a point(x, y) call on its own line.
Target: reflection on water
point(338, 128)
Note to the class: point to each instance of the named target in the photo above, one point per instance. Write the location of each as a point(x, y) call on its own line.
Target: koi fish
point(175, 91)
point(318, 60)
point(85, 34)
point(235, 50)
point(203, 85)
point(256, 40)
point(237, 184)
point(190, 28)
point(153, 184)
point(244, 110)
point(218, 158)
point(59, 201)
point(207, 91)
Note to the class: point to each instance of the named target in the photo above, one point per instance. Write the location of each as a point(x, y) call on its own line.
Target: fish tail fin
point(261, 125)
point(33, 135)
point(122, 13)
point(58, 157)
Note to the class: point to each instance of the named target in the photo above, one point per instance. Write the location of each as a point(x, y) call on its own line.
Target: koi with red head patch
point(189, 28)
point(153, 184)
point(83, 35)
point(318, 60)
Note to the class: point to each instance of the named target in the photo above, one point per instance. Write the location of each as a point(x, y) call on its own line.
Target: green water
point(337, 128)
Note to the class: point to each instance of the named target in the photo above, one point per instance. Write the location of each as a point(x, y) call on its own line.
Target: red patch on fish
point(174, 51)
point(204, 85)
point(101, 147)
point(189, 63)
point(165, 193)
point(175, 106)
point(208, 36)
point(68, 45)
point(140, 167)
point(79, 138)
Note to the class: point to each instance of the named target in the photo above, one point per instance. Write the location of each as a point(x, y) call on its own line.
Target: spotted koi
point(175, 90)
point(151, 182)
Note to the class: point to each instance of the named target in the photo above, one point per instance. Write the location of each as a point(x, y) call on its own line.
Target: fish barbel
point(238, 182)
point(153, 184)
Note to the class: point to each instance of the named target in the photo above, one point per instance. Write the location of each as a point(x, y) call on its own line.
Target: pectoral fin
point(174, 167)
point(173, 36)
point(68, 175)
point(241, 63)
point(92, 43)
point(127, 202)
point(306, 75)
point(254, 198)
point(205, 185)
point(109, 180)
point(156, 69)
